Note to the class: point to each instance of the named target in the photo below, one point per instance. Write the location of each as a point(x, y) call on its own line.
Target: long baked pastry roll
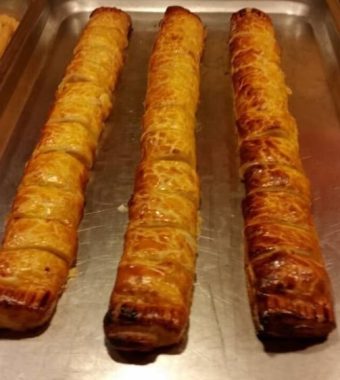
point(158, 209)
point(99, 72)
point(250, 126)
point(71, 138)
point(160, 244)
point(168, 117)
point(168, 176)
point(88, 93)
point(50, 203)
point(45, 234)
point(181, 35)
point(264, 237)
point(168, 134)
point(40, 240)
point(281, 279)
point(168, 144)
point(65, 110)
point(112, 18)
point(151, 299)
point(181, 89)
point(107, 27)
point(271, 206)
point(161, 285)
point(56, 169)
point(269, 150)
point(288, 286)
point(31, 282)
point(276, 177)
point(98, 55)
point(165, 258)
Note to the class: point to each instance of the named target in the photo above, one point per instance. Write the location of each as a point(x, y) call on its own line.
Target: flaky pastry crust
point(289, 288)
point(150, 302)
point(40, 240)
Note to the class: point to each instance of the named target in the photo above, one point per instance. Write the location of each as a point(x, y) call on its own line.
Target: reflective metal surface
point(221, 340)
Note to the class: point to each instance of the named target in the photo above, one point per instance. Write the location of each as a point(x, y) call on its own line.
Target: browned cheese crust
point(40, 240)
point(151, 299)
point(288, 286)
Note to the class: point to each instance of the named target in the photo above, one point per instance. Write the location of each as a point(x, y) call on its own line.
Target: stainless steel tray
point(221, 341)
point(17, 9)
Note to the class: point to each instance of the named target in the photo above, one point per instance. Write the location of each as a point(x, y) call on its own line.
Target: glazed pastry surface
point(40, 240)
point(151, 299)
point(288, 286)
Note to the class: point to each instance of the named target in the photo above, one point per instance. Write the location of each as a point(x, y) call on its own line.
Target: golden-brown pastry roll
point(68, 111)
point(258, 82)
point(160, 245)
point(71, 138)
point(168, 117)
point(98, 55)
point(169, 177)
point(108, 58)
point(103, 36)
point(268, 237)
point(262, 98)
point(181, 33)
point(8, 26)
point(153, 313)
point(157, 307)
point(164, 88)
point(112, 18)
point(167, 283)
point(245, 53)
point(293, 296)
point(56, 169)
point(250, 126)
point(40, 240)
point(177, 49)
point(48, 235)
point(85, 70)
point(150, 302)
point(269, 150)
point(107, 27)
point(272, 206)
point(288, 286)
point(31, 282)
point(157, 209)
point(168, 144)
point(168, 93)
point(86, 93)
point(276, 177)
point(50, 203)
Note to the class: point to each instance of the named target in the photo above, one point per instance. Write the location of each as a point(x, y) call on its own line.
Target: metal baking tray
point(221, 340)
point(17, 9)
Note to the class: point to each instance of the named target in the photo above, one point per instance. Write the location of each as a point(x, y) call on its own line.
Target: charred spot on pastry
point(127, 313)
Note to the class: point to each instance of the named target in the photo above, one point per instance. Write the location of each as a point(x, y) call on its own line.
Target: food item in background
point(151, 299)
point(288, 286)
point(8, 25)
point(40, 240)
